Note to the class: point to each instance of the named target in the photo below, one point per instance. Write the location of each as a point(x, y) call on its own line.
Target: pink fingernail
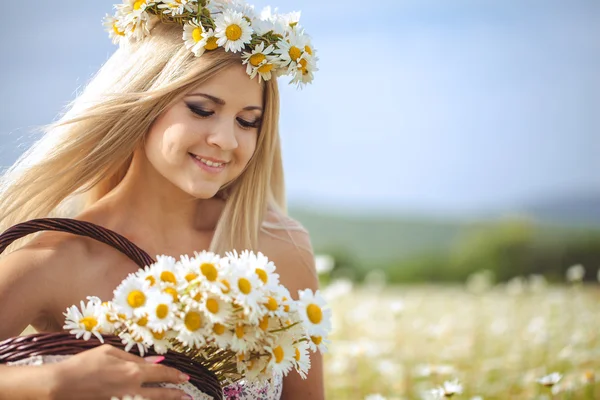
point(154, 359)
point(184, 377)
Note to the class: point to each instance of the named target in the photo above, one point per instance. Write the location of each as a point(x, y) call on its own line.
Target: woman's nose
point(223, 135)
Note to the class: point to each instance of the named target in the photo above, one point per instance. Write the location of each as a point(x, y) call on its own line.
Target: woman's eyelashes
point(205, 114)
point(199, 111)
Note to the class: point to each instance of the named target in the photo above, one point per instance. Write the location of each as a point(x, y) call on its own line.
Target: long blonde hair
point(87, 152)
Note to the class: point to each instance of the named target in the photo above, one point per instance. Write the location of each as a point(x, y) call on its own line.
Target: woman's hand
point(106, 371)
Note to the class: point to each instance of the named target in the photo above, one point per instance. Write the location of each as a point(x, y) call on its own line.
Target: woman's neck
point(144, 201)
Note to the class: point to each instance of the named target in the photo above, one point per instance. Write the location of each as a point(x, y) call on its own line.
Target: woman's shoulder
point(32, 277)
point(287, 243)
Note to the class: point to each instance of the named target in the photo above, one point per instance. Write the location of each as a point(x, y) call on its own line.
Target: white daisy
point(216, 308)
point(232, 31)
point(134, 18)
point(303, 70)
point(316, 317)
point(160, 311)
point(193, 329)
point(291, 49)
point(130, 296)
point(283, 355)
point(161, 341)
point(245, 338)
point(188, 270)
point(86, 322)
point(113, 27)
point(254, 367)
point(253, 60)
point(240, 6)
point(318, 343)
point(194, 37)
point(289, 20)
point(211, 40)
point(550, 380)
point(245, 291)
point(265, 269)
point(222, 335)
point(129, 341)
point(177, 7)
point(165, 270)
point(301, 358)
point(207, 263)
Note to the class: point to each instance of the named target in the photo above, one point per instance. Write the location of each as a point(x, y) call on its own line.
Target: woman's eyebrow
point(221, 102)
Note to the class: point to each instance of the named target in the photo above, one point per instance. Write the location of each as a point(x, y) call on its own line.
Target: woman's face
point(206, 139)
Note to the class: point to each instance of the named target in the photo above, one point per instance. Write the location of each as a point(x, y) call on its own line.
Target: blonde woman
point(175, 145)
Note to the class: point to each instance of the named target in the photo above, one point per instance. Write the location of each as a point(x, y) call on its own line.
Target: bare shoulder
point(32, 276)
point(287, 243)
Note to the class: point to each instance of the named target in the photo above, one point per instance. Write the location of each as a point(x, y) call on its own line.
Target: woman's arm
point(293, 256)
point(25, 383)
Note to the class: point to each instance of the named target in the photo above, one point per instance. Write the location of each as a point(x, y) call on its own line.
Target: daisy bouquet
point(229, 313)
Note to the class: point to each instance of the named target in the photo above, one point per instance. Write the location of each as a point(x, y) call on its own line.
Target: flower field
point(521, 340)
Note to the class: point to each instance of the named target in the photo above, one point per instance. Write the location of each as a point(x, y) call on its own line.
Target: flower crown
point(271, 44)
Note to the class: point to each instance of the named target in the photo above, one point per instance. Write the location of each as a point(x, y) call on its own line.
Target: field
point(496, 341)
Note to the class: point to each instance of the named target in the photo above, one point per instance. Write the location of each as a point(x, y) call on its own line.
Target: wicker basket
point(44, 345)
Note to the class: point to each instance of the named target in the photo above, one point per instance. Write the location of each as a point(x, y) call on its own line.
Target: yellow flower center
point(151, 279)
point(233, 32)
point(88, 322)
point(278, 353)
point(197, 34)
point(297, 356)
point(159, 335)
point(286, 307)
point(168, 276)
point(173, 293)
point(209, 271)
point(308, 50)
point(314, 313)
point(190, 277)
point(219, 329)
point(211, 43)
point(255, 60)
point(272, 304)
point(162, 310)
point(136, 299)
point(239, 331)
point(294, 53)
point(193, 321)
point(198, 296)
point(117, 30)
point(263, 69)
point(244, 285)
point(227, 286)
point(143, 321)
point(212, 305)
point(138, 4)
point(316, 339)
point(264, 323)
point(303, 66)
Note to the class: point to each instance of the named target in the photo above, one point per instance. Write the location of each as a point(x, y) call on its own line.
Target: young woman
point(175, 145)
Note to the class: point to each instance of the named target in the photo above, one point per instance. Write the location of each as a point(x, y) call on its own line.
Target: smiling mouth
point(208, 162)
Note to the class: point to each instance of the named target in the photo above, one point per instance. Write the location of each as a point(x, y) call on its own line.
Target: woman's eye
point(199, 111)
point(248, 124)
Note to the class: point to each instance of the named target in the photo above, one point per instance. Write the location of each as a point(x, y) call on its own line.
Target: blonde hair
point(87, 152)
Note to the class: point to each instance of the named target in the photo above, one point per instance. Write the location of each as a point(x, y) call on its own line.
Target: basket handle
point(82, 228)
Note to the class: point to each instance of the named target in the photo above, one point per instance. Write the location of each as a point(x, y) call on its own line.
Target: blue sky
point(423, 105)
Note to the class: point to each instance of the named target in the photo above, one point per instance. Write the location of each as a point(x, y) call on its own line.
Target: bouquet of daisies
point(229, 313)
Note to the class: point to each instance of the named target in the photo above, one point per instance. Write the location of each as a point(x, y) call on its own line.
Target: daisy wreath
point(271, 44)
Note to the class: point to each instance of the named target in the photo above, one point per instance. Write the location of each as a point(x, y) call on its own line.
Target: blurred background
point(438, 139)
